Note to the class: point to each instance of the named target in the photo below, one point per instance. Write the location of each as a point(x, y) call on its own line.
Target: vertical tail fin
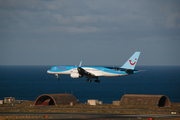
point(131, 63)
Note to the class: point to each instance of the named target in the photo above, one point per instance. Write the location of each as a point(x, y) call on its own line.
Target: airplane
point(95, 72)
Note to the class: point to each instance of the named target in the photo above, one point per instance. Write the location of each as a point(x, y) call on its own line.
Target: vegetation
point(28, 106)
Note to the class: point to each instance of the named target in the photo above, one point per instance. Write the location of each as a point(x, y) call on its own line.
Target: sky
point(97, 32)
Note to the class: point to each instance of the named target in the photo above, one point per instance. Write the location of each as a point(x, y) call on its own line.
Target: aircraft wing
point(87, 73)
point(84, 72)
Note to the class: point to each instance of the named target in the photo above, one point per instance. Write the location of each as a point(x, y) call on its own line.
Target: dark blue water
point(29, 82)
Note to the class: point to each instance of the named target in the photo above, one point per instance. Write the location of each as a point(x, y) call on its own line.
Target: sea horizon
point(27, 82)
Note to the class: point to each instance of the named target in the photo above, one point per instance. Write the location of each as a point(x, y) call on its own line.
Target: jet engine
point(75, 75)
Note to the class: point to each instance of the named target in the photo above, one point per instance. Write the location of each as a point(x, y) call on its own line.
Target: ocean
point(29, 82)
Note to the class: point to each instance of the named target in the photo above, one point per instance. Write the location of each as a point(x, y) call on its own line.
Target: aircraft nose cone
point(48, 71)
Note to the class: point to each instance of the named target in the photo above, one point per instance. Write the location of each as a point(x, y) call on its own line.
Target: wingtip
point(80, 64)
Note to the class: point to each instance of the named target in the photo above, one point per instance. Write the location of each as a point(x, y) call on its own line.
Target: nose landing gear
point(57, 77)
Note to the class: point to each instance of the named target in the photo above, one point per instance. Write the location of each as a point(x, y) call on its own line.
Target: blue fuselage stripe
point(111, 70)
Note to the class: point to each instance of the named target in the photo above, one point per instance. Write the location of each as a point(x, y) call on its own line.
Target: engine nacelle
point(75, 75)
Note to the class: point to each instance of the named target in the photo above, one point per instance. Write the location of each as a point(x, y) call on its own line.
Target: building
point(1, 102)
point(93, 102)
point(116, 103)
point(56, 99)
point(9, 99)
point(100, 102)
point(135, 100)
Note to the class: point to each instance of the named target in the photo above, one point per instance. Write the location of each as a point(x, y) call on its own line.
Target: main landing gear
point(88, 80)
point(98, 81)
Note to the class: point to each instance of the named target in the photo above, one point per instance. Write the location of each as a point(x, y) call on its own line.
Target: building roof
point(132, 100)
point(56, 99)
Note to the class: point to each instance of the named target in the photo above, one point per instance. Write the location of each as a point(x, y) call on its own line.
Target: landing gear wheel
point(88, 80)
point(57, 79)
point(98, 81)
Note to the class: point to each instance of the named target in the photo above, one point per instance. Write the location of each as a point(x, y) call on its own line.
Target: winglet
point(80, 64)
point(132, 61)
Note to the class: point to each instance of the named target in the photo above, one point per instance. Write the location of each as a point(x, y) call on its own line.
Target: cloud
point(139, 15)
point(173, 20)
point(102, 27)
point(86, 19)
point(85, 29)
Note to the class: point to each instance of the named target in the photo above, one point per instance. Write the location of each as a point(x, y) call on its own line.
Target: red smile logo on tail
point(132, 63)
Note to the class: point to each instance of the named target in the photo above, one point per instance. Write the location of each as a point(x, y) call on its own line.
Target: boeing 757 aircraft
point(94, 72)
